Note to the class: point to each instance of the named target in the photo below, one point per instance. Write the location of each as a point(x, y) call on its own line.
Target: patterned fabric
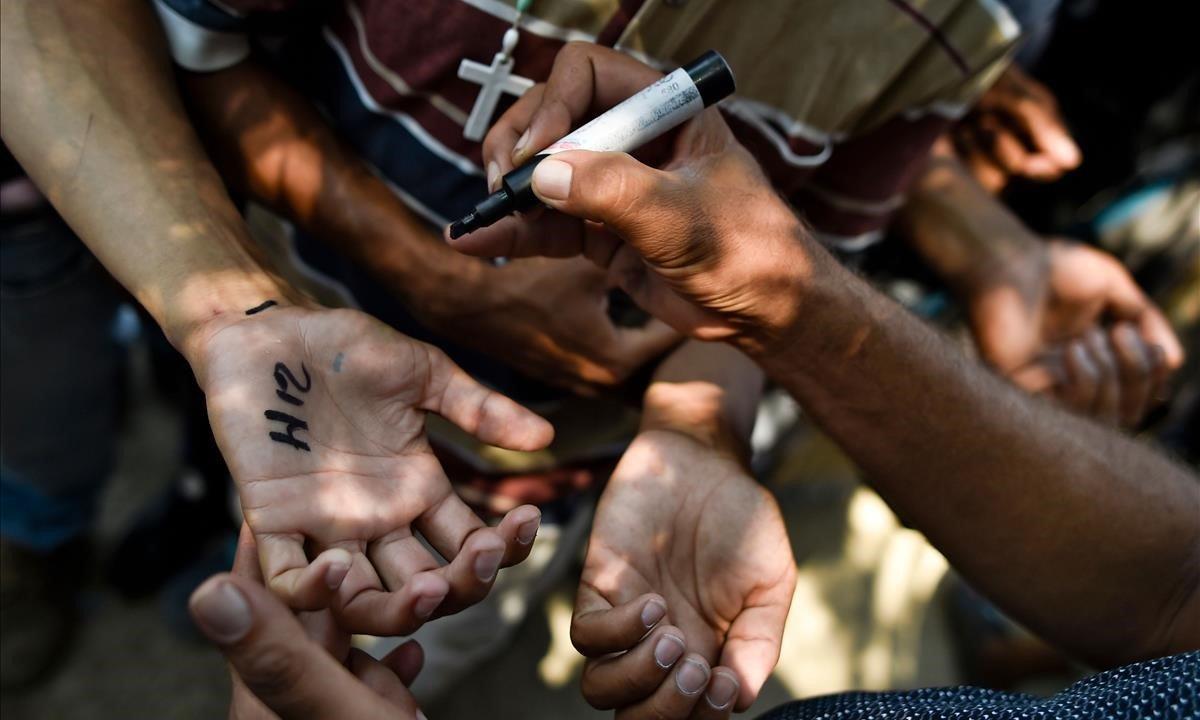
point(1165, 689)
point(838, 101)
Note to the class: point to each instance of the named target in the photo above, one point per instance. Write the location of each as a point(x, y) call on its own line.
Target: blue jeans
point(59, 366)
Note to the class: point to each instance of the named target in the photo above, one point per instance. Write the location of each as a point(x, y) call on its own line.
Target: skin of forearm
point(708, 391)
point(271, 143)
point(963, 232)
point(90, 110)
point(1085, 535)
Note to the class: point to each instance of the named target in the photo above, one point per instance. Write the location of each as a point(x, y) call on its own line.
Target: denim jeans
point(59, 366)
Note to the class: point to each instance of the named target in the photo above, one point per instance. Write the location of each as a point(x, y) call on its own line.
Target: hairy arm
point(87, 98)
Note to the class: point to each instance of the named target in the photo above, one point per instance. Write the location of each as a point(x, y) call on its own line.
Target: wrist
point(202, 308)
point(694, 409)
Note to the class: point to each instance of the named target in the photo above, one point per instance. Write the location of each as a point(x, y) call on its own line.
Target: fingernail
point(721, 691)
point(427, 604)
point(421, 715)
point(487, 563)
point(521, 143)
point(652, 613)
point(668, 649)
point(493, 175)
point(552, 179)
point(336, 573)
point(691, 678)
point(528, 530)
point(222, 611)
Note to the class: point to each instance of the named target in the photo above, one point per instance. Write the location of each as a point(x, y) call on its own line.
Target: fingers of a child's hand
point(406, 661)
point(1136, 366)
point(1108, 396)
point(719, 697)
point(627, 678)
point(1005, 148)
point(276, 660)
point(289, 574)
point(518, 529)
point(598, 629)
point(677, 696)
point(484, 413)
point(363, 605)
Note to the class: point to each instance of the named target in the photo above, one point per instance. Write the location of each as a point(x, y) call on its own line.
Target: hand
point(705, 244)
point(320, 415)
point(1071, 321)
point(687, 554)
point(296, 667)
point(548, 319)
point(1015, 129)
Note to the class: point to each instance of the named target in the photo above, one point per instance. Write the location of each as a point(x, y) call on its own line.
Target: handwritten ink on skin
point(286, 380)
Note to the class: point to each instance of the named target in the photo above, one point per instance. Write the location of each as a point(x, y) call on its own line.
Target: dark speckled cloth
point(1164, 689)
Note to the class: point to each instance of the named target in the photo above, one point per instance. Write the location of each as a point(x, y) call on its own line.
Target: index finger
point(585, 79)
point(598, 628)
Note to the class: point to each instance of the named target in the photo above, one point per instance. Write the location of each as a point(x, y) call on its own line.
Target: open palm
point(685, 522)
point(320, 415)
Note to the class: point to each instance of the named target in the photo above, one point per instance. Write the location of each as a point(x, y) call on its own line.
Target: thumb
point(635, 200)
point(270, 652)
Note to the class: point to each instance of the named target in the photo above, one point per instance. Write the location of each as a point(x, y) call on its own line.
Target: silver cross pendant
point(494, 80)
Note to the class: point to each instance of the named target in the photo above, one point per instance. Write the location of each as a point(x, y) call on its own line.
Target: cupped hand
point(1074, 323)
point(548, 319)
point(704, 243)
point(688, 578)
point(296, 666)
point(1016, 130)
point(320, 415)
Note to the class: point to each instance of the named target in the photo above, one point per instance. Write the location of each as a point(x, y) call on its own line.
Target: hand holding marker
point(673, 100)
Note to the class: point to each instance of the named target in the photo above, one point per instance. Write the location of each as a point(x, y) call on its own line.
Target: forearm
point(708, 391)
point(271, 144)
point(963, 232)
point(1085, 535)
point(90, 110)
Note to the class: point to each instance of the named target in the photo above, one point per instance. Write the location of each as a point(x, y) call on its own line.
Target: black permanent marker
point(673, 100)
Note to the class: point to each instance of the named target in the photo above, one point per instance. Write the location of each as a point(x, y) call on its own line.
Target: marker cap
point(713, 77)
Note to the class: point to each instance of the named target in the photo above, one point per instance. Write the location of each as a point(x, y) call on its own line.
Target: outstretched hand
point(320, 415)
point(689, 577)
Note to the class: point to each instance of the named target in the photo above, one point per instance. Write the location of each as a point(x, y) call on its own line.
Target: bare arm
point(545, 318)
point(88, 98)
point(1084, 534)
